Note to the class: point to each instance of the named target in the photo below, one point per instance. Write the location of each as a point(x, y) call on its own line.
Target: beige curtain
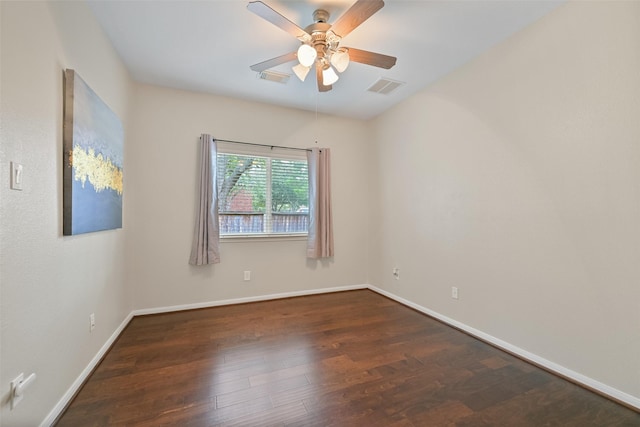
point(320, 240)
point(205, 248)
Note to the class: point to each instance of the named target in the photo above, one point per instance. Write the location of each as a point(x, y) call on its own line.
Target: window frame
point(268, 152)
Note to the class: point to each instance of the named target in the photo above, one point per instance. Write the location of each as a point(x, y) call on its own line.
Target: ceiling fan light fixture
point(329, 76)
point(306, 55)
point(340, 60)
point(301, 71)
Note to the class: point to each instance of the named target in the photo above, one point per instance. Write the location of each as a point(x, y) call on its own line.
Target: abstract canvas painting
point(93, 144)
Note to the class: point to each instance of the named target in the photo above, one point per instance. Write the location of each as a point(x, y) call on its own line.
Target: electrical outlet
point(247, 275)
point(92, 322)
point(396, 273)
point(454, 292)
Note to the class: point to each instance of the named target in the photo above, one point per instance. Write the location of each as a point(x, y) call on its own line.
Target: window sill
point(245, 238)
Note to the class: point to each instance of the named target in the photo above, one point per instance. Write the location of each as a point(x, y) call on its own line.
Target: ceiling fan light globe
point(329, 76)
point(306, 55)
point(340, 60)
point(301, 71)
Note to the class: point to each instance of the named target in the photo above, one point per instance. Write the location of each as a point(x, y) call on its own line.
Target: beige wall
point(161, 202)
point(517, 179)
point(50, 284)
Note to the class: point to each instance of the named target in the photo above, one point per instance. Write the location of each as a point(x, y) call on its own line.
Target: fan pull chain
point(316, 124)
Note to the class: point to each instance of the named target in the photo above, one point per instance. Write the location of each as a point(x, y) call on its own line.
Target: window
point(262, 195)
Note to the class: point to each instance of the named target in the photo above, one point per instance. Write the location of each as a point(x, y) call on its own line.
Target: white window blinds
point(262, 194)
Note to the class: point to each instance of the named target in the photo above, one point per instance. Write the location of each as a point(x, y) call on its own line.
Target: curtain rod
point(262, 145)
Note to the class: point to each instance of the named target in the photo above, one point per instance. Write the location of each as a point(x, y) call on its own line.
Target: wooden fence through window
point(252, 222)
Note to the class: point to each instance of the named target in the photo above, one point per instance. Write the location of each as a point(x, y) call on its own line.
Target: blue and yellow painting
point(93, 144)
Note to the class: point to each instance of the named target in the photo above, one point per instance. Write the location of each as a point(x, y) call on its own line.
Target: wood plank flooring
point(343, 359)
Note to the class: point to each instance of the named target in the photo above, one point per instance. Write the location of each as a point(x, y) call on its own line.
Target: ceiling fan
point(320, 42)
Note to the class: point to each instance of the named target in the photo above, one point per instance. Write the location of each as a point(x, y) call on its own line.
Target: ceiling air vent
point(274, 77)
point(385, 86)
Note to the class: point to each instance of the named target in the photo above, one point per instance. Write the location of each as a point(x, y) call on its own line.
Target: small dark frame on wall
point(93, 140)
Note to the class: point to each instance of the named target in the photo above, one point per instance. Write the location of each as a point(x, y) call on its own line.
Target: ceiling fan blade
point(265, 12)
point(356, 15)
point(321, 86)
point(270, 63)
point(371, 58)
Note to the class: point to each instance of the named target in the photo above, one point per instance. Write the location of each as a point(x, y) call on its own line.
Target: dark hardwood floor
point(343, 359)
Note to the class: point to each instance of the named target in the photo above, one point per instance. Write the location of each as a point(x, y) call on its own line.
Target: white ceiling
point(208, 46)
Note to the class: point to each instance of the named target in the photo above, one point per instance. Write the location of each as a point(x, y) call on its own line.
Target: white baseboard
point(157, 310)
point(524, 354)
point(66, 398)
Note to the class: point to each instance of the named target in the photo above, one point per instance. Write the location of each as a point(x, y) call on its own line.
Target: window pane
point(289, 196)
point(242, 182)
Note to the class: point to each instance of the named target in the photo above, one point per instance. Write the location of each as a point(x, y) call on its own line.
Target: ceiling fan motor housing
point(320, 15)
point(321, 38)
point(319, 42)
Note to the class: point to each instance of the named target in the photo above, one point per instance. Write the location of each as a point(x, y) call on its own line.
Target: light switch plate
point(16, 399)
point(16, 176)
